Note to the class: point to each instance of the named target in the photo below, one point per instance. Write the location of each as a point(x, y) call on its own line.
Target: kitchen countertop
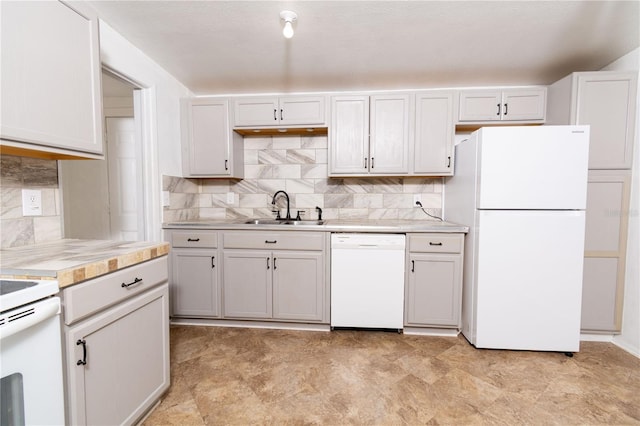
point(71, 261)
point(331, 225)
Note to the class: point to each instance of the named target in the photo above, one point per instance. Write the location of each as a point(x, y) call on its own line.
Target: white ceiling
point(221, 47)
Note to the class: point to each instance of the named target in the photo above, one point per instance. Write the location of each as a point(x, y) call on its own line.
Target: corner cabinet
point(51, 81)
point(195, 274)
point(369, 135)
point(433, 293)
point(513, 105)
point(283, 111)
point(210, 147)
point(117, 344)
point(275, 276)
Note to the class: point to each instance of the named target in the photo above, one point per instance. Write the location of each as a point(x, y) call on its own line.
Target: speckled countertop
point(71, 261)
point(331, 225)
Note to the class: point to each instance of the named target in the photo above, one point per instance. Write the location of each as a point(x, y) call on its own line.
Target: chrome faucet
point(273, 201)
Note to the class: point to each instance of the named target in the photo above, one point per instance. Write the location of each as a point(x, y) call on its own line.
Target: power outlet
point(31, 202)
point(417, 198)
point(230, 197)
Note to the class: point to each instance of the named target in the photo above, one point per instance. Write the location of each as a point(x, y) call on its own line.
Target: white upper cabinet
point(605, 100)
point(434, 133)
point(369, 135)
point(51, 81)
point(389, 139)
point(280, 111)
point(526, 105)
point(349, 135)
point(210, 148)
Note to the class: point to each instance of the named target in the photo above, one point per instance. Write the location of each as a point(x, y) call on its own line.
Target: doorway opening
point(104, 199)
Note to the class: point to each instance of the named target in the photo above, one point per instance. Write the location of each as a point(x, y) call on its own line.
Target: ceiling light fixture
point(288, 17)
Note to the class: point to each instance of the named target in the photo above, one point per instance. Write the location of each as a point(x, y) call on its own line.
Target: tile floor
point(240, 376)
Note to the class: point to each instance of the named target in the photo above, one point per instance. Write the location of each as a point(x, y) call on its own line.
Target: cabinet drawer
point(200, 239)
point(84, 299)
point(275, 240)
point(435, 243)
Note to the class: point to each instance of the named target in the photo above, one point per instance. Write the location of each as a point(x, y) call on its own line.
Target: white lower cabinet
point(434, 280)
point(117, 352)
point(285, 283)
point(195, 274)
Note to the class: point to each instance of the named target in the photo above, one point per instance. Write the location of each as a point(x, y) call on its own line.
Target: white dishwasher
point(367, 280)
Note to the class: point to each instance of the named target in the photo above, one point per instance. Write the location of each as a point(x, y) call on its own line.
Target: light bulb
point(287, 31)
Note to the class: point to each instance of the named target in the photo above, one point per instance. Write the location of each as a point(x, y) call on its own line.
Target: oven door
point(31, 365)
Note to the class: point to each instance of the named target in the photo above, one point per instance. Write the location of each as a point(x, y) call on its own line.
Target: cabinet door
point(195, 288)
point(349, 135)
point(51, 92)
point(255, 112)
point(433, 149)
point(297, 110)
point(389, 142)
point(524, 105)
point(601, 295)
point(127, 361)
point(298, 286)
point(247, 284)
point(208, 138)
point(433, 290)
point(607, 102)
point(481, 105)
point(608, 195)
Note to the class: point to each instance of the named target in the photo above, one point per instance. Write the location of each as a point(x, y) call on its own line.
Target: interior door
point(124, 178)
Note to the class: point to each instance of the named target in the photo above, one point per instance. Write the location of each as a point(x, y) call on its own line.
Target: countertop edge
point(90, 269)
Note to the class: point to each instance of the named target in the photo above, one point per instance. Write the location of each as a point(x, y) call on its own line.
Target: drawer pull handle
point(506, 110)
point(434, 244)
point(135, 281)
point(195, 240)
point(413, 266)
point(82, 361)
point(498, 110)
point(270, 242)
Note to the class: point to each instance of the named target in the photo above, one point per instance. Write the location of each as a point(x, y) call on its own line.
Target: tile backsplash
point(298, 165)
point(16, 174)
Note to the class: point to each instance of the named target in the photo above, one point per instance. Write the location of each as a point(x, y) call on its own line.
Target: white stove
point(30, 353)
point(14, 293)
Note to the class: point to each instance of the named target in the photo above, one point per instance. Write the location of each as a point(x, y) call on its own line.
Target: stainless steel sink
point(283, 222)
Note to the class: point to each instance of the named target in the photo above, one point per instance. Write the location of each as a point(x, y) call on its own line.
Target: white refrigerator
point(522, 192)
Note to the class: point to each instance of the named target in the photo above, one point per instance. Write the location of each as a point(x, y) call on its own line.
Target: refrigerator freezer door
point(529, 280)
point(532, 168)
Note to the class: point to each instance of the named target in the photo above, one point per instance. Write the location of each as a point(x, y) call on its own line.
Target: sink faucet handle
point(277, 212)
point(300, 212)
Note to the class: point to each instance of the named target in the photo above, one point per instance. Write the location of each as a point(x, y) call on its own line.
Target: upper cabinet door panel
point(481, 105)
point(349, 135)
point(606, 102)
point(209, 152)
point(250, 112)
point(522, 105)
point(51, 88)
point(296, 110)
point(389, 143)
point(434, 134)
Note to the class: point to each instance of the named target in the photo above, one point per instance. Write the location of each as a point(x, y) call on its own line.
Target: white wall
point(629, 339)
point(161, 110)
